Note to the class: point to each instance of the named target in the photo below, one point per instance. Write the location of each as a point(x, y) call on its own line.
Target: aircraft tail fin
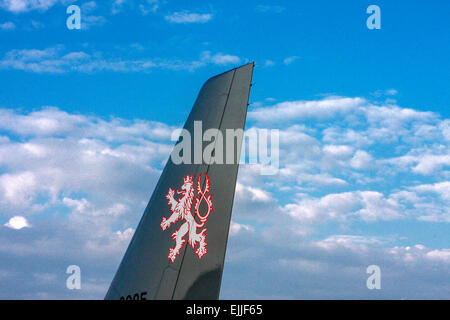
point(178, 249)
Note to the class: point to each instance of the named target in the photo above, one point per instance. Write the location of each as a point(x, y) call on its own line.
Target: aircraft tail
point(178, 249)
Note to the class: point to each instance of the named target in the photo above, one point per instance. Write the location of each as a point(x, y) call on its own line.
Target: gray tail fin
point(178, 248)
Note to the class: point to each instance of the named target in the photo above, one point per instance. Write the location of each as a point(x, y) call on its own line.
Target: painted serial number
point(136, 296)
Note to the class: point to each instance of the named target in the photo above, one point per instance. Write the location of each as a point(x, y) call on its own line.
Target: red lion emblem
point(181, 209)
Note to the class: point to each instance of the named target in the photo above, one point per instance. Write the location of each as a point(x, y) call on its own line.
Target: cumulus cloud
point(64, 154)
point(325, 108)
point(350, 152)
point(347, 166)
point(17, 223)
point(295, 268)
point(367, 205)
point(361, 159)
point(440, 188)
point(235, 228)
point(82, 182)
point(253, 194)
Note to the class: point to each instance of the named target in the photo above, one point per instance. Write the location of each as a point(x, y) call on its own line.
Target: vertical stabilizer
point(178, 249)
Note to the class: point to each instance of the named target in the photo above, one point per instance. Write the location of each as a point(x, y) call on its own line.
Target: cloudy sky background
point(86, 117)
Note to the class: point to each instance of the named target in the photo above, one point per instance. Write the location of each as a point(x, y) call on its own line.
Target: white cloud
point(330, 268)
point(90, 21)
point(361, 160)
point(117, 6)
point(86, 182)
point(316, 179)
point(7, 26)
point(56, 60)
point(343, 168)
point(88, 7)
point(360, 153)
point(441, 188)
point(150, 6)
point(49, 121)
point(444, 127)
point(18, 6)
point(61, 154)
point(19, 189)
point(388, 92)
point(36, 24)
point(394, 116)
point(424, 161)
point(430, 163)
point(264, 8)
point(289, 60)
point(269, 63)
point(224, 59)
point(252, 193)
point(145, 6)
point(125, 235)
point(17, 223)
point(292, 110)
point(348, 241)
point(391, 92)
point(367, 205)
point(331, 206)
point(430, 201)
point(439, 255)
point(188, 17)
point(235, 228)
point(376, 207)
point(338, 135)
point(338, 150)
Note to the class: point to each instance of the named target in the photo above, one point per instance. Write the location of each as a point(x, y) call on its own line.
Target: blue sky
point(364, 140)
